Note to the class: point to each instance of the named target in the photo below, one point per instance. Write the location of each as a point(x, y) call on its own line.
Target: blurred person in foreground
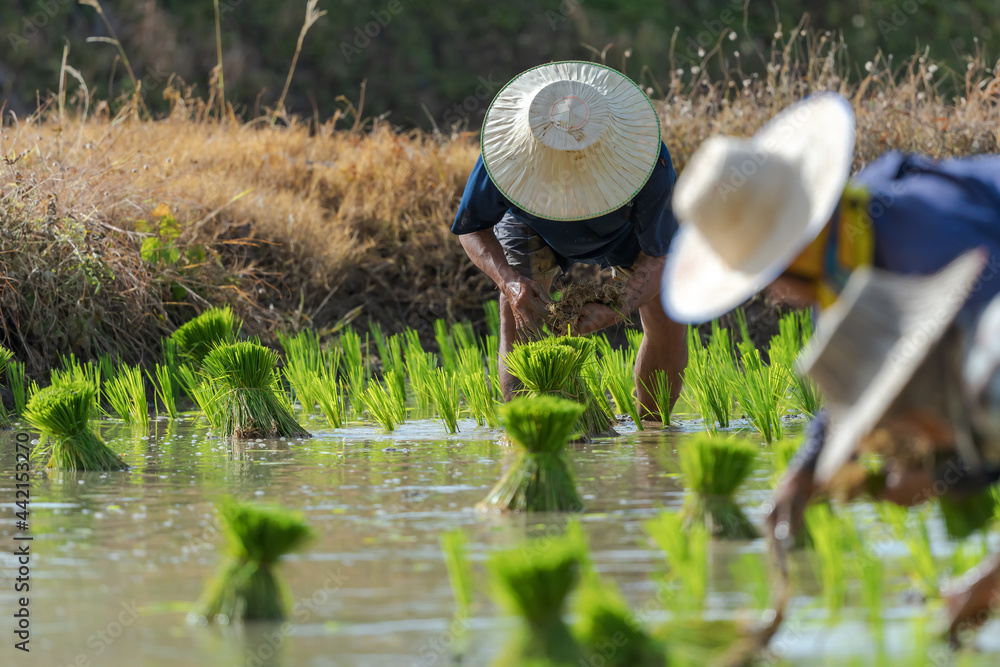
point(573, 171)
point(902, 260)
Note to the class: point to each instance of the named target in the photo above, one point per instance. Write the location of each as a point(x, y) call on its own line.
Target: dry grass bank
point(306, 223)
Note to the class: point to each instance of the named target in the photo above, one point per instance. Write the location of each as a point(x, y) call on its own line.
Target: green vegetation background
point(437, 60)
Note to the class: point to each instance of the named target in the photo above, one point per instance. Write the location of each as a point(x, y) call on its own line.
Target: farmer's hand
point(972, 598)
point(594, 317)
point(790, 501)
point(529, 304)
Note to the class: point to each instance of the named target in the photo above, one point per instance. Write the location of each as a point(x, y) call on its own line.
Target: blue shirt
point(647, 223)
point(925, 213)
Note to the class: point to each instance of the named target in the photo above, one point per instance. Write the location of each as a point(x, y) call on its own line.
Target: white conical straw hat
point(570, 140)
point(870, 343)
point(748, 207)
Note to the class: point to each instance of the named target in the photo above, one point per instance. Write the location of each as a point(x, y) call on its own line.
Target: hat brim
point(570, 185)
point(869, 345)
point(817, 134)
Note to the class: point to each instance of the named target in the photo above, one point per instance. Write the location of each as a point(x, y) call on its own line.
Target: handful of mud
point(564, 314)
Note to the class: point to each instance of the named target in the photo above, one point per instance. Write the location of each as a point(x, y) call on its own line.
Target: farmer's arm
point(655, 225)
point(798, 485)
point(481, 208)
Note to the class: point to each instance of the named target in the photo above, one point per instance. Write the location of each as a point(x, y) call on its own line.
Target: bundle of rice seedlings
point(200, 389)
point(708, 381)
point(714, 468)
point(555, 366)
point(73, 371)
point(304, 361)
point(610, 633)
point(247, 588)
point(564, 314)
point(686, 548)
point(330, 397)
point(17, 382)
point(383, 405)
point(618, 377)
point(634, 338)
point(794, 331)
point(126, 393)
point(760, 391)
point(533, 584)
point(62, 414)
point(443, 389)
point(659, 388)
point(245, 402)
point(539, 480)
point(196, 338)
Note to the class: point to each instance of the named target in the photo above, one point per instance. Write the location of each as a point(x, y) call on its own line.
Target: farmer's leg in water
point(663, 347)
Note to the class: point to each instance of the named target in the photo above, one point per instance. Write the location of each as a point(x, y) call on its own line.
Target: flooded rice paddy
point(118, 559)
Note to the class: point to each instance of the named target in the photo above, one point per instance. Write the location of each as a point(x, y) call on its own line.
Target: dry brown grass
point(309, 224)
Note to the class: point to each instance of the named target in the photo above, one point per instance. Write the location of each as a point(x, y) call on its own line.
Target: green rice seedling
point(751, 570)
point(463, 337)
point(393, 365)
point(5, 358)
point(870, 572)
point(304, 361)
point(708, 386)
point(419, 365)
point(634, 338)
point(196, 338)
point(167, 387)
point(591, 377)
point(247, 588)
point(355, 387)
point(923, 571)
point(968, 554)
point(491, 351)
point(62, 414)
point(539, 479)
point(533, 584)
point(492, 311)
point(714, 468)
point(460, 577)
point(557, 366)
point(476, 389)
point(375, 329)
point(686, 548)
point(605, 620)
point(446, 346)
point(201, 391)
point(794, 331)
point(17, 381)
point(244, 403)
point(443, 388)
point(760, 390)
point(831, 543)
point(617, 376)
point(350, 342)
point(73, 371)
point(126, 392)
point(330, 397)
point(659, 388)
point(382, 405)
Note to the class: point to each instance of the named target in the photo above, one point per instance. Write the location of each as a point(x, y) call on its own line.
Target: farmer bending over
point(573, 171)
point(777, 211)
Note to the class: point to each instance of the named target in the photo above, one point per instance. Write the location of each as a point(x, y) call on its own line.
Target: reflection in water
point(372, 589)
